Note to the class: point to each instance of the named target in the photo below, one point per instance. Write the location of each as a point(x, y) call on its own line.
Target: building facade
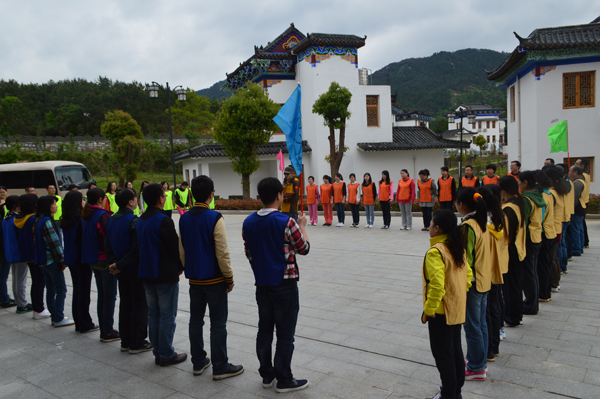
point(488, 123)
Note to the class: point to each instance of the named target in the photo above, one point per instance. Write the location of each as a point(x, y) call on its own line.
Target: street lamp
point(452, 115)
point(181, 96)
point(87, 116)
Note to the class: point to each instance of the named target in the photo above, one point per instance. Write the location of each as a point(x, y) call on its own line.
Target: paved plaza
point(359, 333)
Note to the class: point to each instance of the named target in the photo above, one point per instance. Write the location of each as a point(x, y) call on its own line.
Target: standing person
point(514, 209)
point(272, 241)
point(575, 232)
point(339, 198)
point(354, 199)
point(515, 169)
point(426, 197)
point(548, 247)
point(558, 189)
point(534, 208)
point(5, 300)
point(109, 203)
point(49, 257)
point(326, 200)
point(208, 267)
point(405, 198)
point(24, 222)
point(141, 202)
point(312, 200)
point(548, 161)
point(129, 185)
point(93, 229)
point(160, 267)
point(169, 205)
point(182, 196)
point(471, 206)
point(369, 193)
point(13, 256)
point(491, 177)
point(569, 209)
point(123, 258)
point(469, 179)
point(81, 273)
point(447, 189)
point(291, 193)
point(446, 280)
point(51, 189)
point(386, 194)
point(584, 164)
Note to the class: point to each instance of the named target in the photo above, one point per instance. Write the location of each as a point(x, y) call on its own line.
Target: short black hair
point(184, 183)
point(51, 184)
point(202, 187)
point(517, 163)
point(468, 166)
point(43, 205)
point(28, 203)
point(575, 168)
point(491, 166)
point(585, 162)
point(551, 160)
point(123, 196)
point(153, 192)
point(94, 195)
point(327, 177)
point(12, 202)
point(268, 188)
point(311, 177)
point(352, 175)
point(444, 168)
point(405, 171)
point(28, 187)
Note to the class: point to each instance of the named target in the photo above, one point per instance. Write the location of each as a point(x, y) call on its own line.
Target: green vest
point(183, 197)
point(136, 211)
point(212, 203)
point(169, 201)
point(112, 202)
point(58, 213)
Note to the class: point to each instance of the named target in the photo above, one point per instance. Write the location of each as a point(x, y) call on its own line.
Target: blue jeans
point(476, 331)
point(278, 307)
point(162, 310)
point(4, 272)
point(341, 213)
point(561, 251)
point(56, 291)
point(370, 211)
point(215, 297)
point(106, 284)
point(576, 235)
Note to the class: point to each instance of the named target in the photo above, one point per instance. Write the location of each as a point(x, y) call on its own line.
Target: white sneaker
point(44, 314)
point(64, 322)
point(402, 228)
point(367, 226)
point(370, 226)
point(409, 228)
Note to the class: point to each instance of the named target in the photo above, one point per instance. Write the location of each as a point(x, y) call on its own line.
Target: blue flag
point(289, 120)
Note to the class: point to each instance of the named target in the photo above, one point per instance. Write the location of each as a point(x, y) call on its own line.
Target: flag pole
point(302, 192)
point(568, 147)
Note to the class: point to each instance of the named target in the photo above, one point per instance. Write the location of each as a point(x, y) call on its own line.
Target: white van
point(17, 176)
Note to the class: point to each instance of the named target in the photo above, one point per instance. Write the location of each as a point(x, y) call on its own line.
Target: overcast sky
point(194, 43)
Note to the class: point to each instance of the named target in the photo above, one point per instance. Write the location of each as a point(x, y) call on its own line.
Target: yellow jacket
point(481, 263)
point(499, 252)
point(548, 223)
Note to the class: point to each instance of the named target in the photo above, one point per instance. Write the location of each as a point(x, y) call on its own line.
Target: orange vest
point(425, 191)
point(311, 194)
point(404, 189)
point(384, 191)
point(468, 182)
point(490, 180)
point(445, 189)
point(325, 194)
point(352, 192)
point(338, 196)
point(515, 176)
point(368, 198)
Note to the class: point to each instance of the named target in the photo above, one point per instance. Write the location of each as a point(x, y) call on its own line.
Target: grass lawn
point(151, 177)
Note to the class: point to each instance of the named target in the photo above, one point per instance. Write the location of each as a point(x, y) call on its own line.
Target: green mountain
point(215, 91)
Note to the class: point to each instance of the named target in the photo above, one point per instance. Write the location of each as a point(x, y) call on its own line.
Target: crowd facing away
point(514, 241)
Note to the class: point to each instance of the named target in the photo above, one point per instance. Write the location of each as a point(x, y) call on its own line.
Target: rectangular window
point(187, 175)
point(474, 126)
point(193, 173)
point(493, 124)
point(479, 124)
point(493, 139)
point(578, 90)
point(589, 170)
point(512, 103)
point(501, 139)
point(373, 111)
point(488, 139)
point(487, 124)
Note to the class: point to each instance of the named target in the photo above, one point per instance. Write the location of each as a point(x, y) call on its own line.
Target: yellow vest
point(288, 188)
point(548, 224)
point(184, 197)
point(535, 222)
point(112, 202)
point(58, 213)
point(585, 194)
point(569, 200)
point(559, 210)
point(169, 201)
point(481, 261)
point(521, 238)
point(499, 241)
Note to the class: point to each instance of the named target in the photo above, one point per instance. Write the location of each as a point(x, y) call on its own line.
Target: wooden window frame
point(578, 88)
point(371, 107)
point(479, 125)
point(493, 124)
point(574, 159)
point(487, 124)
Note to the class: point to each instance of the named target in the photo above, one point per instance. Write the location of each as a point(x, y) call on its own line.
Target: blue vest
point(25, 238)
point(149, 242)
point(70, 237)
point(40, 245)
point(11, 244)
point(90, 251)
point(264, 237)
point(199, 245)
point(117, 232)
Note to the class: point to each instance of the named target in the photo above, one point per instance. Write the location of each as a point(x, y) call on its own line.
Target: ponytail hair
point(474, 203)
point(445, 219)
point(424, 172)
point(510, 185)
point(555, 176)
point(528, 177)
point(94, 195)
point(493, 205)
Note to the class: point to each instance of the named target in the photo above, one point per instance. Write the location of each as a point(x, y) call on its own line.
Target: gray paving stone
point(568, 388)
point(557, 369)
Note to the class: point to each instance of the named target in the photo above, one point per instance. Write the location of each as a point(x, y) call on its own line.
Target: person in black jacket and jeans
point(160, 267)
point(123, 256)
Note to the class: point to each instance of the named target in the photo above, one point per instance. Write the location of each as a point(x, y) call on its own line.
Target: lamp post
point(452, 119)
point(181, 96)
point(87, 116)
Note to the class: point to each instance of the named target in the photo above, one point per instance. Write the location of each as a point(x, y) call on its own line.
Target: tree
point(12, 115)
point(333, 107)
point(196, 110)
point(126, 138)
point(245, 121)
point(480, 142)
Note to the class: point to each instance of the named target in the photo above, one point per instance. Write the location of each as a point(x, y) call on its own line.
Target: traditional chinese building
point(488, 123)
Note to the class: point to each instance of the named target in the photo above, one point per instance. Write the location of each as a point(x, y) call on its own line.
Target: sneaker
point(409, 228)
point(178, 358)
point(491, 358)
point(341, 224)
point(201, 370)
point(555, 289)
point(64, 323)
point(367, 226)
point(294, 385)
point(232, 371)
point(44, 314)
point(475, 375)
point(438, 396)
point(502, 334)
point(95, 327)
point(586, 246)
point(8, 304)
point(113, 336)
point(402, 228)
point(566, 272)
point(569, 260)
point(356, 225)
point(25, 309)
point(383, 227)
point(370, 226)
point(146, 346)
point(268, 382)
point(124, 349)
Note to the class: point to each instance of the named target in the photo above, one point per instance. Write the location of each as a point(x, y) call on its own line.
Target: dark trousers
point(354, 208)
point(544, 267)
point(341, 213)
point(494, 318)
point(427, 212)
point(555, 267)
point(38, 283)
point(586, 238)
point(445, 205)
point(133, 311)
point(81, 274)
point(513, 289)
point(278, 308)
point(385, 210)
point(447, 352)
point(214, 296)
point(531, 282)
point(106, 284)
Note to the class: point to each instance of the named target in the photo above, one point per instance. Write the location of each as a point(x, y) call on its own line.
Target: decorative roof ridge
point(291, 29)
point(335, 39)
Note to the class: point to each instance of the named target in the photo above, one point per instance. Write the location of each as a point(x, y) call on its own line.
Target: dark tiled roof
point(480, 107)
point(216, 150)
point(455, 132)
point(325, 39)
point(283, 36)
point(412, 138)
